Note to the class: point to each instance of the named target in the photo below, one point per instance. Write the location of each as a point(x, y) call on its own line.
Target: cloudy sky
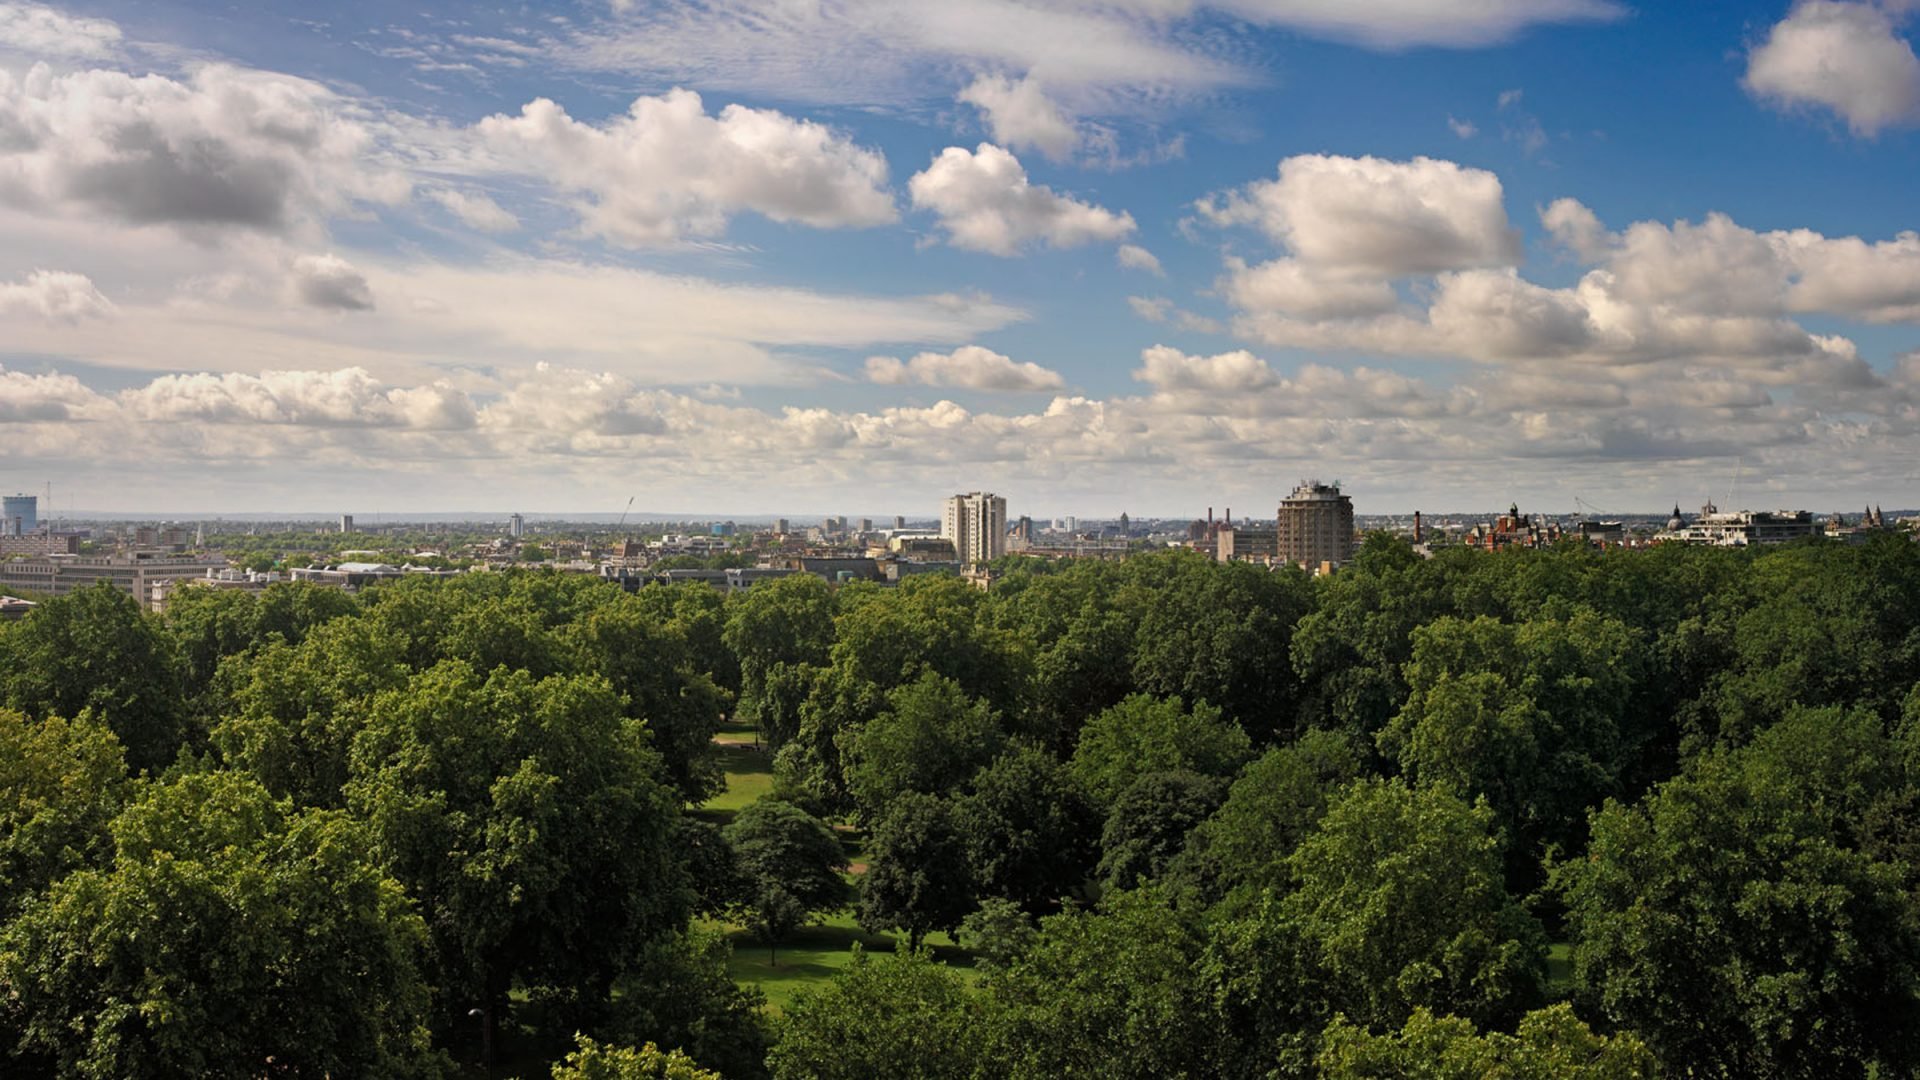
point(802, 256)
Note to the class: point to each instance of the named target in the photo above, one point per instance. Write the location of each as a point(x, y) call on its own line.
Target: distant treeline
point(1565, 813)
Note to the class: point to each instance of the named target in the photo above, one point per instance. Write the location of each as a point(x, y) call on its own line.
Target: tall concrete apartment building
point(977, 525)
point(1315, 525)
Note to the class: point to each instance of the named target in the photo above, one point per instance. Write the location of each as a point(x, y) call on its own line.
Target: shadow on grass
point(814, 954)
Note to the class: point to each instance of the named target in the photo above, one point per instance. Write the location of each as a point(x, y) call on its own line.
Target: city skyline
point(1095, 257)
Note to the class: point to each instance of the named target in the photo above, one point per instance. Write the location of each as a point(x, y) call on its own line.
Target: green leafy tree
point(917, 877)
point(1397, 901)
point(293, 710)
point(599, 1061)
point(95, 649)
point(681, 994)
point(1143, 734)
point(1109, 993)
point(528, 819)
point(1532, 716)
point(1550, 1044)
point(781, 623)
point(1743, 918)
point(900, 1015)
point(1275, 802)
point(790, 862)
point(1030, 832)
point(61, 783)
point(997, 933)
point(653, 667)
point(1216, 632)
point(1148, 825)
point(930, 738)
point(227, 933)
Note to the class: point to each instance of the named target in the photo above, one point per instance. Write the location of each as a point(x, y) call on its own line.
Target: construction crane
point(1589, 508)
point(623, 513)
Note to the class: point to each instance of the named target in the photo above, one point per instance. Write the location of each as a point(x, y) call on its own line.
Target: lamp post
point(486, 1041)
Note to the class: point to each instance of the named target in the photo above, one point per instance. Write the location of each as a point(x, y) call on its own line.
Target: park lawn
point(749, 776)
point(1559, 969)
point(815, 954)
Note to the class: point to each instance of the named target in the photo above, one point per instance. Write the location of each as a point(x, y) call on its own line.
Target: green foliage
point(1529, 716)
point(1149, 823)
point(526, 818)
point(790, 862)
point(1397, 902)
point(930, 738)
point(1274, 803)
point(61, 783)
point(96, 649)
point(901, 1016)
point(997, 933)
point(293, 710)
point(1029, 830)
point(1143, 734)
point(1755, 916)
point(226, 933)
point(679, 994)
point(780, 623)
point(1221, 633)
point(599, 1061)
point(1113, 993)
point(1550, 1044)
point(917, 877)
point(654, 669)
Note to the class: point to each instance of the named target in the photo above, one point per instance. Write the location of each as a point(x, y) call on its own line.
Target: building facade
point(1738, 528)
point(1315, 525)
point(133, 574)
point(976, 523)
point(1246, 545)
point(19, 515)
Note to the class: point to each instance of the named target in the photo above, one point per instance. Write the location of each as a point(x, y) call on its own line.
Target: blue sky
point(846, 256)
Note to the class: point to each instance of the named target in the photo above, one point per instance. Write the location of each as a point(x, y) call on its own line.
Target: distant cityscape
point(1315, 526)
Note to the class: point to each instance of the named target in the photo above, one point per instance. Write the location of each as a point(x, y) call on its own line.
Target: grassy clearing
point(1559, 969)
point(815, 953)
point(749, 776)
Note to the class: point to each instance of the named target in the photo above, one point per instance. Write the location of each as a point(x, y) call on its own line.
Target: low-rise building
point(133, 573)
point(1738, 528)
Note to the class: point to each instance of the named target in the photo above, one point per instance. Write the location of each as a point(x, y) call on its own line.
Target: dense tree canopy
point(1190, 819)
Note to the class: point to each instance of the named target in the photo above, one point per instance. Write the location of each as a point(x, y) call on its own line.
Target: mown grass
point(817, 952)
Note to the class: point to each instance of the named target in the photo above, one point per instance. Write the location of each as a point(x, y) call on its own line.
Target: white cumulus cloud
point(969, 367)
point(1842, 55)
point(666, 171)
point(226, 147)
point(1135, 257)
point(54, 295)
point(1375, 216)
point(1021, 116)
point(985, 203)
point(40, 31)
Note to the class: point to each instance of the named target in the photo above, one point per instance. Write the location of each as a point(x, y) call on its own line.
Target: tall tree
point(228, 937)
point(97, 649)
point(900, 1015)
point(529, 819)
point(1143, 734)
point(1745, 919)
point(929, 739)
point(917, 877)
point(61, 783)
point(790, 863)
point(1030, 831)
